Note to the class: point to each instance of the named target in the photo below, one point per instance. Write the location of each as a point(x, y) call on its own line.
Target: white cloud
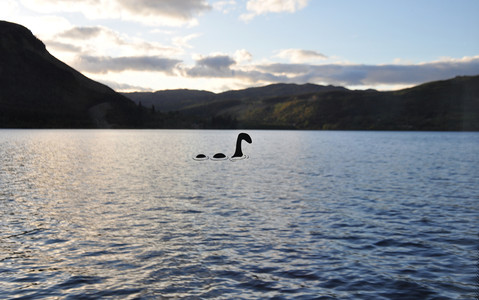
point(102, 41)
point(300, 56)
point(100, 50)
point(242, 55)
point(149, 12)
point(225, 6)
point(260, 7)
point(182, 42)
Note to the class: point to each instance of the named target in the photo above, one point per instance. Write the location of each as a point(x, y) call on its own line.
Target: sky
point(219, 45)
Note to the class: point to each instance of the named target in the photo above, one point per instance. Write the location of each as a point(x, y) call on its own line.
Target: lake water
point(309, 214)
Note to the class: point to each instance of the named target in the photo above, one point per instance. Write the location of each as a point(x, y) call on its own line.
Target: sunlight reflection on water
point(130, 214)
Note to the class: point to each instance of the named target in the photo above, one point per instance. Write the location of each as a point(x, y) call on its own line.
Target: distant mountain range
point(39, 91)
point(174, 100)
point(442, 105)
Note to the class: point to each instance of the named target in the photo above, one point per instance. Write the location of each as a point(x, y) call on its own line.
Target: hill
point(37, 90)
point(171, 100)
point(442, 105)
point(182, 99)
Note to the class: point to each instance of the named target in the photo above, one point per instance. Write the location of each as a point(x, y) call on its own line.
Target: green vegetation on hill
point(442, 105)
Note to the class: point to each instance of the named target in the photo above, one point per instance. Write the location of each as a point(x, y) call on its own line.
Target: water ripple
point(116, 214)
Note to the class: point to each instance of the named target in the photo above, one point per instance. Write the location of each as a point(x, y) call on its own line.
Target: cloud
point(102, 41)
point(150, 12)
point(212, 66)
point(300, 56)
point(105, 64)
point(225, 6)
point(124, 87)
point(224, 72)
point(216, 62)
point(260, 7)
point(182, 9)
point(242, 56)
point(224, 66)
point(63, 47)
point(182, 42)
point(375, 75)
point(81, 32)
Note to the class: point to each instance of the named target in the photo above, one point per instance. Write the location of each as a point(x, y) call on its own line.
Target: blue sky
point(234, 44)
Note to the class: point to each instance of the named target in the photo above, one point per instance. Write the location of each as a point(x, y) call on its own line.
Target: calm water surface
point(323, 215)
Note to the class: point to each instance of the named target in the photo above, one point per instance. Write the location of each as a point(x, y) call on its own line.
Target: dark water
point(309, 215)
